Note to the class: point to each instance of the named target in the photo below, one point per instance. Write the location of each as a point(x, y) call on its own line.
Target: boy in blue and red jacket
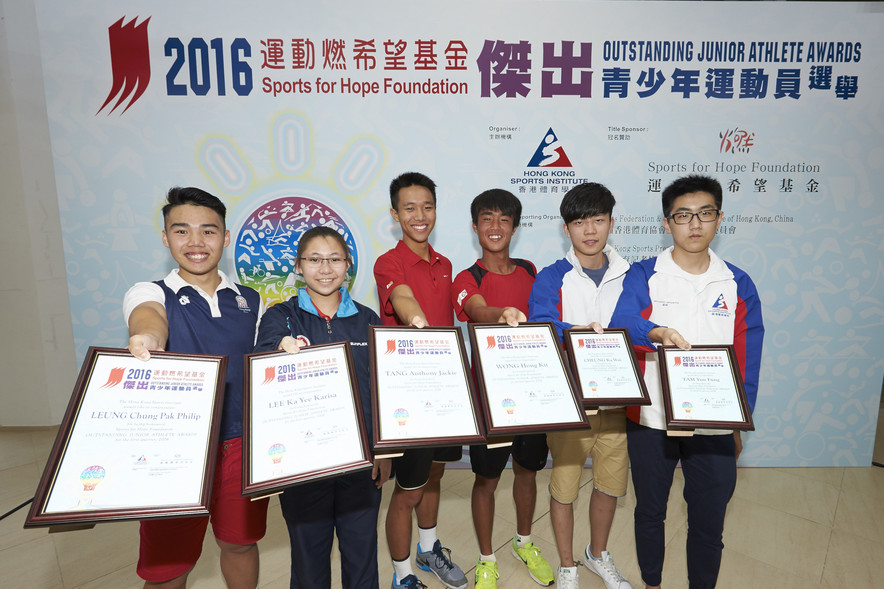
point(686, 295)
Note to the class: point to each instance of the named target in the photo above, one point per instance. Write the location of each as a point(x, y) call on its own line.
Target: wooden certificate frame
point(605, 368)
point(138, 440)
point(422, 391)
point(302, 418)
point(703, 388)
point(524, 385)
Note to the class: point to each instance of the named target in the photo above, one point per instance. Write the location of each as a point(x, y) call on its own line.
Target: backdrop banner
point(298, 114)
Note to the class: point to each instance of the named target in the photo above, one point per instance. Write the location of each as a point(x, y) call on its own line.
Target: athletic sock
point(522, 541)
point(426, 538)
point(402, 568)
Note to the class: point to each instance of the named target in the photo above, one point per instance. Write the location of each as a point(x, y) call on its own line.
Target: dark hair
point(499, 200)
point(689, 185)
point(322, 231)
point(589, 199)
point(410, 179)
point(193, 196)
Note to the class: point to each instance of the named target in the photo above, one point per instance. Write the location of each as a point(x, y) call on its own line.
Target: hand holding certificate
point(703, 388)
point(302, 418)
point(421, 389)
point(523, 382)
point(138, 440)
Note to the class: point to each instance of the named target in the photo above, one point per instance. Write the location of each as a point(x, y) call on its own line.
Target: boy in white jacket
point(582, 289)
point(687, 295)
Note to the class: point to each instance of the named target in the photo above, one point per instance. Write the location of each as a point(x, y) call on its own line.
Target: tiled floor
point(810, 527)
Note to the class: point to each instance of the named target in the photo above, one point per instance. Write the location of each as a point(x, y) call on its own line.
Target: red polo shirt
point(429, 281)
point(498, 290)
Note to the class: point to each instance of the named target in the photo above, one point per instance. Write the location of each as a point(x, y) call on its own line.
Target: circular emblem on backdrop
point(267, 244)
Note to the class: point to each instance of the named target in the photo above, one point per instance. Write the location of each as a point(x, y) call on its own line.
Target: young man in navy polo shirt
point(197, 309)
point(414, 283)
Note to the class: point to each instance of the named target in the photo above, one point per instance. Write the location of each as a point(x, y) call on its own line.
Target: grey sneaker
point(606, 569)
point(567, 578)
point(438, 562)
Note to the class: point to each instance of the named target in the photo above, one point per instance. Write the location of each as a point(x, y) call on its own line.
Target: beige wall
point(37, 359)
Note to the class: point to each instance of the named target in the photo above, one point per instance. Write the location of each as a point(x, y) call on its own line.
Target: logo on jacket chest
point(719, 307)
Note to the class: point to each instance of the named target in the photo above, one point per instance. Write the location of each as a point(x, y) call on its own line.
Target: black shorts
point(412, 469)
point(529, 451)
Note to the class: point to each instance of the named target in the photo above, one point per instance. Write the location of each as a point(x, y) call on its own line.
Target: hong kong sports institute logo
point(130, 63)
point(550, 153)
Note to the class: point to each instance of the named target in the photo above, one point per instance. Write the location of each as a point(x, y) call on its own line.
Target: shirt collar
point(346, 307)
point(717, 270)
point(412, 258)
point(174, 281)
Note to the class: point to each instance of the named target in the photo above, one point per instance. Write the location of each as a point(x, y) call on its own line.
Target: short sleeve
point(462, 289)
point(388, 274)
point(140, 293)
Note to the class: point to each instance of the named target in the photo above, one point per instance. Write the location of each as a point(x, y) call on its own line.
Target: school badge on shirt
point(242, 303)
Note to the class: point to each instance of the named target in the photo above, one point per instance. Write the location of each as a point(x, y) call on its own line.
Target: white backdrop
point(299, 113)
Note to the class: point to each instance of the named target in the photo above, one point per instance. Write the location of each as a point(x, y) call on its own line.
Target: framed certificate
point(422, 392)
point(703, 388)
point(302, 418)
point(524, 386)
point(138, 440)
point(605, 368)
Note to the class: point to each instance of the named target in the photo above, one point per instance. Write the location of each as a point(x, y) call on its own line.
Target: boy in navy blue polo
point(197, 309)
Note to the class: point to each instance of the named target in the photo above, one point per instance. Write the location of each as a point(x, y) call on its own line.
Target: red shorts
point(170, 547)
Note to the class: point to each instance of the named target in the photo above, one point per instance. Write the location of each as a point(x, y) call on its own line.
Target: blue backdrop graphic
point(302, 113)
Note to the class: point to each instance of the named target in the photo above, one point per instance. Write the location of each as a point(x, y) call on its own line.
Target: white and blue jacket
point(719, 307)
point(565, 295)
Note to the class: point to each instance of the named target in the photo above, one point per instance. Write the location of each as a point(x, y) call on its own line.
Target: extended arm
point(148, 329)
point(478, 309)
point(545, 303)
point(632, 308)
point(406, 307)
point(275, 332)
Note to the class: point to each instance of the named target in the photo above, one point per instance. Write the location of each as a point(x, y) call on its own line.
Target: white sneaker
point(606, 569)
point(567, 578)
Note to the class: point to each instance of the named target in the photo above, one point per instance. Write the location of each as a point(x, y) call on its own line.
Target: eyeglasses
point(685, 217)
point(317, 262)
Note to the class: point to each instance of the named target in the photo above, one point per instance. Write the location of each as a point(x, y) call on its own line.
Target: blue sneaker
point(438, 562)
point(409, 582)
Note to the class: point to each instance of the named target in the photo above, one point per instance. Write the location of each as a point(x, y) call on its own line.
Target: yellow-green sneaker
point(486, 574)
point(538, 568)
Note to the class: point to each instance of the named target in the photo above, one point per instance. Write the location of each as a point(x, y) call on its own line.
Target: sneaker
point(567, 578)
point(409, 582)
point(538, 568)
point(606, 570)
point(486, 575)
point(438, 562)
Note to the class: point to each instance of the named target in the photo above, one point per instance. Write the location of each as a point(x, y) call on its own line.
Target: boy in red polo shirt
point(414, 283)
point(496, 289)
